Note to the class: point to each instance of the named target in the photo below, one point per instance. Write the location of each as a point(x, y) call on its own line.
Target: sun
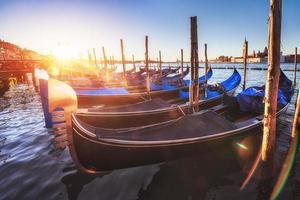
point(65, 52)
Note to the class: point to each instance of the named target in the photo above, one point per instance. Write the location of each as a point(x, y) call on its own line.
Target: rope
point(181, 110)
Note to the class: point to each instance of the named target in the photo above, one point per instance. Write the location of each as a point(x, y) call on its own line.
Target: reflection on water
point(30, 168)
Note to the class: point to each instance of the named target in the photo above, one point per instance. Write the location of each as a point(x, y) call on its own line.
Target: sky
point(48, 26)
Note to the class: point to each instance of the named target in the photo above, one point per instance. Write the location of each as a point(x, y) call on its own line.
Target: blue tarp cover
point(228, 85)
point(251, 99)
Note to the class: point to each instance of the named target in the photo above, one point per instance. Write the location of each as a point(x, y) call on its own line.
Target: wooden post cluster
point(271, 93)
point(181, 63)
point(194, 60)
point(206, 62)
point(295, 67)
point(245, 56)
point(147, 65)
point(105, 65)
point(123, 62)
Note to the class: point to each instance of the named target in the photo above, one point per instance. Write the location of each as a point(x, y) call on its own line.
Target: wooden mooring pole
point(114, 62)
point(105, 64)
point(206, 62)
point(89, 57)
point(133, 63)
point(181, 62)
point(123, 62)
point(160, 70)
point(271, 93)
point(295, 67)
point(147, 66)
point(193, 33)
point(95, 58)
point(245, 56)
point(196, 65)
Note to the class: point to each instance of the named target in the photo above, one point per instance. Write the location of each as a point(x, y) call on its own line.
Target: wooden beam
point(271, 93)
point(147, 65)
point(295, 67)
point(206, 62)
point(245, 56)
point(123, 62)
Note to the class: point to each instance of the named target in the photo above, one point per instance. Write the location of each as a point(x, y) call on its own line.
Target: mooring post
point(245, 56)
point(196, 65)
point(90, 57)
point(147, 65)
point(123, 62)
point(297, 114)
point(133, 63)
point(181, 62)
point(95, 58)
point(114, 62)
point(295, 67)
point(271, 93)
point(193, 24)
point(100, 64)
point(160, 70)
point(105, 65)
point(206, 62)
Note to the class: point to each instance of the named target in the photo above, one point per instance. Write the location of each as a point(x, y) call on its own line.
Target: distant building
point(290, 58)
point(259, 57)
point(10, 51)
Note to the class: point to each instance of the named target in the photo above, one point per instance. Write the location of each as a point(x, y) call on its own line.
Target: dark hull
point(113, 100)
point(98, 156)
point(94, 155)
point(135, 119)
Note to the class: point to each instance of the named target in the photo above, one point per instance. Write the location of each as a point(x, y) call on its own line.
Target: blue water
point(30, 167)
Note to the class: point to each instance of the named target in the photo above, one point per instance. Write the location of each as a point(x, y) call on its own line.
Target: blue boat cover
point(170, 82)
point(251, 99)
point(229, 84)
point(103, 91)
point(201, 78)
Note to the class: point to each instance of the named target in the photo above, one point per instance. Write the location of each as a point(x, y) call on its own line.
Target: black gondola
point(156, 110)
point(99, 149)
point(169, 89)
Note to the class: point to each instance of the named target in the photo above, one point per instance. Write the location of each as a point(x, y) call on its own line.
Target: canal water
point(30, 167)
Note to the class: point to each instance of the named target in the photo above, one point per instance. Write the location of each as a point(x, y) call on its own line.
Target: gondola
point(122, 96)
point(156, 110)
point(99, 149)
